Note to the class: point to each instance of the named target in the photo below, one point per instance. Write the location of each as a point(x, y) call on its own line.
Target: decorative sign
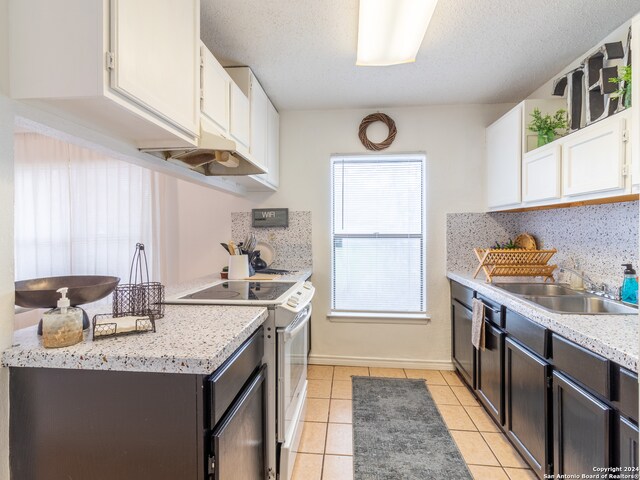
point(270, 217)
point(589, 87)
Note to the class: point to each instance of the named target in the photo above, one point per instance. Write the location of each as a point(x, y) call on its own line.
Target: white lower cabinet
point(541, 170)
point(593, 159)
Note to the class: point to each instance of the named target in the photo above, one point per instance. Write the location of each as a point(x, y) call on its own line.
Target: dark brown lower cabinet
point(490, 373)
point(528, 405)
point(104, 425)
point(463, 352)
point(582, 429)
point(627, 444)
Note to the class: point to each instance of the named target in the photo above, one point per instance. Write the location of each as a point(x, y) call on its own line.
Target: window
point(78, 212)
point(377, 229)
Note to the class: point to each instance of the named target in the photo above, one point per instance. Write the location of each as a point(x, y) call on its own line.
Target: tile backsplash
point(599, 237)
point(291, 245)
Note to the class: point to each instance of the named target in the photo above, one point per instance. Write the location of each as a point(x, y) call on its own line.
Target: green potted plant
point(624, 77)
point(546, 126)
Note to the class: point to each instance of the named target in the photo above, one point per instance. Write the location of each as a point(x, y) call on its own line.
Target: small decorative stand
point(514, 263)
point(139, 298)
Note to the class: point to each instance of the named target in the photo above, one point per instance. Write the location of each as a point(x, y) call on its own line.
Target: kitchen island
point(141, 406)
point(194, 339)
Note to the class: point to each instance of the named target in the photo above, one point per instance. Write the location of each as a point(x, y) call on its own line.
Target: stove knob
point(308, 285)
point(292, 302)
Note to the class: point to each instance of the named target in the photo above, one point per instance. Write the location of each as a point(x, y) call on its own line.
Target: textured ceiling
point(475, 51)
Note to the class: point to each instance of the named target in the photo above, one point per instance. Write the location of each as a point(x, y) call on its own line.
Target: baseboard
point(380, 362)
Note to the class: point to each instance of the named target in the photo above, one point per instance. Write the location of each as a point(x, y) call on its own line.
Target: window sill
point(372, 317)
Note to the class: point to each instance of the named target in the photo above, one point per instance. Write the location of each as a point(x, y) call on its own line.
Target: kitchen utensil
point(262, 277)
point(267, 252)
point(233, 250)
point(226, 247)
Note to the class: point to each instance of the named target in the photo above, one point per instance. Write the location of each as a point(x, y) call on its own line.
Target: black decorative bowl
point(41, 292)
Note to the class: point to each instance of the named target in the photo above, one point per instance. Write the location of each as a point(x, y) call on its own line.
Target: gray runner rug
point(398, 433)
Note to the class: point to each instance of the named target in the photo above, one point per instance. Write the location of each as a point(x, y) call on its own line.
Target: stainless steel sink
point(560, 298)
point(545, 289)
point(584, 304)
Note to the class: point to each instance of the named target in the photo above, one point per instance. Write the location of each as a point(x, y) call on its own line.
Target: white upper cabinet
point(216, 89)
point(591, 163)
point(130, 68)
point(240, 120)
point(264, 144)
point(541, 169)
point(156, 58)
point(507, 142)
point(504, 156)
point(593, 159)
point(273, 147)
point(259, 123)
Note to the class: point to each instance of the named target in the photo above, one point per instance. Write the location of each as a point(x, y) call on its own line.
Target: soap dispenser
point(629, 291)
point(62, 326)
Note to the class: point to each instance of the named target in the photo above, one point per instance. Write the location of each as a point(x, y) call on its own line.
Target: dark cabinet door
point(582, 429)
point(490, 373)
point(239, 440)
point(463, 352)
point(627, 445)
point(527, 405)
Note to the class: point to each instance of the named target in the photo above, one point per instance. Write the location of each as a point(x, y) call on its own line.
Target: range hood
point(215, 155)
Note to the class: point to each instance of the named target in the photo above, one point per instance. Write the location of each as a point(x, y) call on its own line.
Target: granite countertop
point(193, 339)
point(612, 336)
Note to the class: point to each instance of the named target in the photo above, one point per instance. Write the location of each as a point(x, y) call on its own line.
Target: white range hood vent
point(214, 156)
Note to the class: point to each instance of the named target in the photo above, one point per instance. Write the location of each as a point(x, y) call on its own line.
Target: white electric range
point(286, 350)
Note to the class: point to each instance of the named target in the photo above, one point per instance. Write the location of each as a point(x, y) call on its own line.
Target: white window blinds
point(378, 234)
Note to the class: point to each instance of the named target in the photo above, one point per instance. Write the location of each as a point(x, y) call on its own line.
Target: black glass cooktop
point(241, 290)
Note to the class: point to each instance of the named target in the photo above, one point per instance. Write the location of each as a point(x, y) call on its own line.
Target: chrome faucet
point(588, 283)
point(599, 289)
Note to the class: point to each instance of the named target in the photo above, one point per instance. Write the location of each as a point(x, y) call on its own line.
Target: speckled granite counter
point(189, 339)
point(612, 336)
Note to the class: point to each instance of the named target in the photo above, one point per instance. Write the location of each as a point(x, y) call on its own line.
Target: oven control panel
point(300, 297)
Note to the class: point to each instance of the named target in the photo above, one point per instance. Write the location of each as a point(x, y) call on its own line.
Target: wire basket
point(139, 297)
point(102, 328)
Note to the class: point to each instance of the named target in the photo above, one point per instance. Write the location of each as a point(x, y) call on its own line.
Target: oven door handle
point(293, 329)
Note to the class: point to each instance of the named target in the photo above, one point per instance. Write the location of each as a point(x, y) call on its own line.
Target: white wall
point(6, 234)
point(453, 139)
point(195, 221)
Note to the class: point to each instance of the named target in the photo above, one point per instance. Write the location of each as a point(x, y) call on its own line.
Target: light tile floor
point(326, 447)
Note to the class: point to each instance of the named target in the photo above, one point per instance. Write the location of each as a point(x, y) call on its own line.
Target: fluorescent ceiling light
point(391, 31)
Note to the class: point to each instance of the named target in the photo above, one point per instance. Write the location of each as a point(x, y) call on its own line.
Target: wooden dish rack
point(514, 263)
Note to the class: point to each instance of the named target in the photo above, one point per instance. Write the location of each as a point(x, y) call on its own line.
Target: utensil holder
point(238, 267)
point(139, 297)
